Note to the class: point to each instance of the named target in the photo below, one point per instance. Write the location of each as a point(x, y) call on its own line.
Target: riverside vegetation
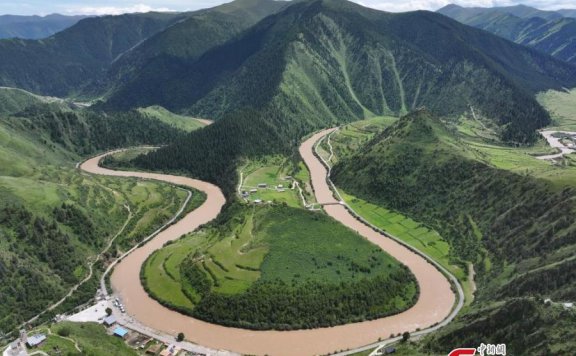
point(278, 267)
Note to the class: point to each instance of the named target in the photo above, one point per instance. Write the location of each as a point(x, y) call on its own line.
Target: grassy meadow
point(184, 123)
point(91, 338)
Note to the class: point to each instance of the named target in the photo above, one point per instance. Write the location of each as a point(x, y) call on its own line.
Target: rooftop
point(120, 332)
point(35, 340)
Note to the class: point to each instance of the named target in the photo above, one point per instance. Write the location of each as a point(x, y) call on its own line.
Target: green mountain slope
point(567, 12)
point(62, 64)
point(517, 230)
point(462, 14)
point(319, 63)
point(328, 61)
point(76, 60)
point(548, 32)
point(184, 42)
point(53, 218)
point(35, 27)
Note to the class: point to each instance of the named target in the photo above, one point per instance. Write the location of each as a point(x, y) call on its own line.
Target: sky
point(115, 7)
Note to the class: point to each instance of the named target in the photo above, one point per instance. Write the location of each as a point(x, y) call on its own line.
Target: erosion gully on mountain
point(434, 304)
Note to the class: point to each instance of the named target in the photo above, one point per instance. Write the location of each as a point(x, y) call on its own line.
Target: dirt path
point(435, 302)
point(90, 268)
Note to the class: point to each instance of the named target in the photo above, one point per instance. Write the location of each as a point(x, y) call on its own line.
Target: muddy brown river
point(434, 304)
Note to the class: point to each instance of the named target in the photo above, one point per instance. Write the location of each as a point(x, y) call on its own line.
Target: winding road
point(434, 305)
point(556, 143)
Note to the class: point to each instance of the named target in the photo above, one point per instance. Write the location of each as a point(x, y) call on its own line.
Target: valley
point(430, 308)
point(290, 178)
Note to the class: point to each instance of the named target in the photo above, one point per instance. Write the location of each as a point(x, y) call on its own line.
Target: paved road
point(555, 142)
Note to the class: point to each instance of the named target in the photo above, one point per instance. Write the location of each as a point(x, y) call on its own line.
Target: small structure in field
point(262, 185)
point(257, 201)
point(253, 190)
point(35, 340)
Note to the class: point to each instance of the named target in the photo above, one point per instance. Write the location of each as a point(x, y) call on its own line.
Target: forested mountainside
point(340, 61)
point(183, 42)
point(515, 229)
point(35, 27)
point(64, 63)
point(74, 61)
point(319, 63)
point(53, 219)
point(548, 32)
point(520, 11)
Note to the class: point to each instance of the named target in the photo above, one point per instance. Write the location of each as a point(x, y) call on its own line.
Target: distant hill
point(35, 27)
point(548, 31)
point(567, 12)
point(78, 58)
point(184, 42)
point(463, 14)
point(420, 168)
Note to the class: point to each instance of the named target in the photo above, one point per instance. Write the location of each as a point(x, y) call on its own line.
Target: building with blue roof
point(120, 332)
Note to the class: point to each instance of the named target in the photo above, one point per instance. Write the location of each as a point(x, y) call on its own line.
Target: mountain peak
point(419, 126)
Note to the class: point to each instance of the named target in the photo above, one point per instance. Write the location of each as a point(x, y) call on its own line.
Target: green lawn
point(309, 246)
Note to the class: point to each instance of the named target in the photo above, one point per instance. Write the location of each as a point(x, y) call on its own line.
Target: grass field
point(268, 244)
point(352, 136)
point(520, 160)
point(91, 338)
point(184, 123)
point(417, 235)
point(562, 108)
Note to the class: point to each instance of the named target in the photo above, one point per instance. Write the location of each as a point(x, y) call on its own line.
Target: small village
point(110, 313)
point(264, 186)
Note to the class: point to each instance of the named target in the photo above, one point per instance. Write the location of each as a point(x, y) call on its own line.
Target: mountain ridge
point(35, 27)
point(555, 35)
point(294, 49)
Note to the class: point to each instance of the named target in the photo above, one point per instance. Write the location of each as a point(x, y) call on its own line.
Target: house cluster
point(141, 342)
